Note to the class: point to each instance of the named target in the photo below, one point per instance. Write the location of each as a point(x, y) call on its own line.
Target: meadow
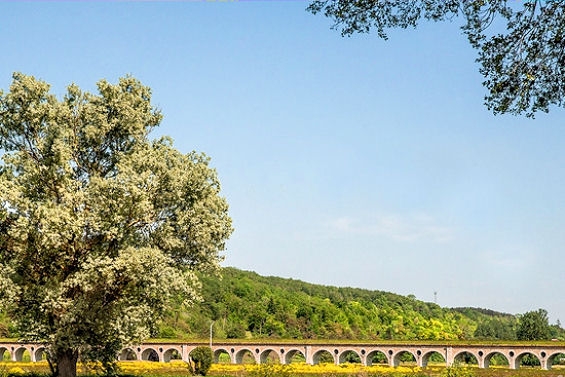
point(179, 369)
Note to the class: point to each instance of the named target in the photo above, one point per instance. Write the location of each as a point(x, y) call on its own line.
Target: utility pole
point(211, 326)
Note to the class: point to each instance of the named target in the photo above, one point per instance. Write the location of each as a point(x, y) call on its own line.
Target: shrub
point(200, 360)
point(167, 332)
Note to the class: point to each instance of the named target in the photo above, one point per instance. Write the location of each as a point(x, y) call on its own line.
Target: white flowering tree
point(100, 226)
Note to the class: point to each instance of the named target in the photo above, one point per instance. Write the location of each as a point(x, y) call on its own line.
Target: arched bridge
point(313, 353)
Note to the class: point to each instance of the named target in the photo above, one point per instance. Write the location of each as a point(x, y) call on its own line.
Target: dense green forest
point(243, 304)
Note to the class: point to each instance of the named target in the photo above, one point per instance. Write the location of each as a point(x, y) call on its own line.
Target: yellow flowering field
point(306, 369)
point(178, 368)
point(23, 367)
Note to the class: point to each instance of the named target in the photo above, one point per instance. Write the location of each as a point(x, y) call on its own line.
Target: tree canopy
point(100, 226)
point(523, 63)
point(534, 325)
point(245, 304)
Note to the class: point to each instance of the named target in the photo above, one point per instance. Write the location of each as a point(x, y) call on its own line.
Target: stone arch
point(222, 356)
point(21, 353)
point(495, 358)
point(172, 354)
point(398, 357)
point(349, 356)
point(270, 356)
point(292, 355)
point(127, 354)
point(526, 359)
point(4, 354)
point(466, 357)
point(376, 357)
point(432, 355)
point(322, 356)
point(245, 356)
point(150, 354)
point(558, 357)
point(39, 354)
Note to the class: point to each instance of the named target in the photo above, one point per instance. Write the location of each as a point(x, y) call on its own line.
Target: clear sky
point(346, 161)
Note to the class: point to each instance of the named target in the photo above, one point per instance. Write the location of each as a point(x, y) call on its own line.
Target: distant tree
point(533, 326)
point(235, 331)
point(557, 332)
point(495, 328)
point(523, 66)
point(100, 227)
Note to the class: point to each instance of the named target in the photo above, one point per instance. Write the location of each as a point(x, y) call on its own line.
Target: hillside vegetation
point(243, 304)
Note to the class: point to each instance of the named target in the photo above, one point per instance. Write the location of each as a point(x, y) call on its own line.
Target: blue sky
point(346, 161)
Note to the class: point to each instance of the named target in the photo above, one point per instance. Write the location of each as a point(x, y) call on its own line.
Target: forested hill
point(244, 304)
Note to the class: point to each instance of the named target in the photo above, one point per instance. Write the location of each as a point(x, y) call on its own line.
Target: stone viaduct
point(312, 353)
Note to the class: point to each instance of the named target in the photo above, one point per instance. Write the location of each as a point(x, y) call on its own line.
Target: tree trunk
point(67, 363)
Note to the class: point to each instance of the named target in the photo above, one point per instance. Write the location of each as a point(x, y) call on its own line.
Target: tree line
point(243, 304)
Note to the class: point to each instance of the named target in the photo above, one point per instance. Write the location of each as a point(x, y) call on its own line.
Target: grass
point(539, 343)
point(549, 343)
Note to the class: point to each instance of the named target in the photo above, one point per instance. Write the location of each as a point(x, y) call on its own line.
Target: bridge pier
point(308, 355)
point(543, 364)
point(482, 360)
point(392, 362)
point(419, 359)
point(513, 362)
point(184, 353)
point(449, 356)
